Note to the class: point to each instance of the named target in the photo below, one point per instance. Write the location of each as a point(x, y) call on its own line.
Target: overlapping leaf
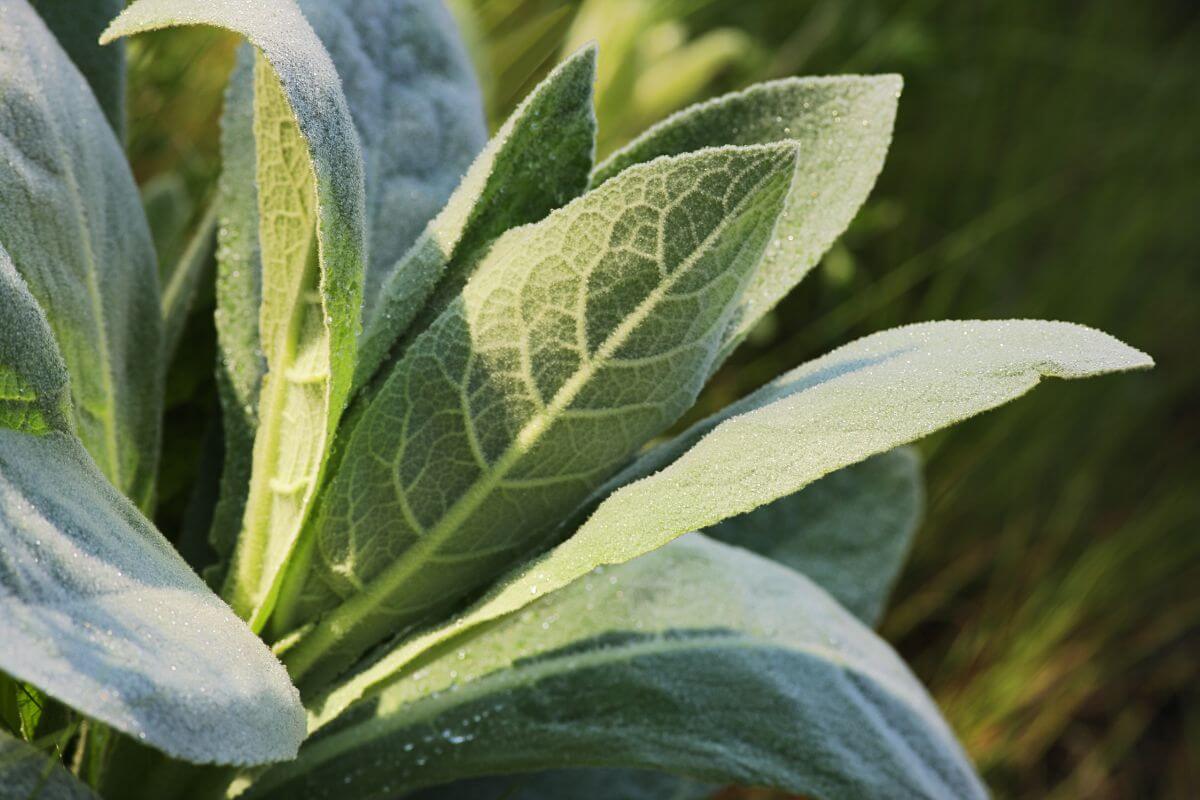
point(538, 161)
point(848, 532)
point(77, 26)
point(864, 398)
point(102, 614)
point(701, 659)
point(27, 773)
point(34, 388)
point(311, 245)
point(578, 338)
point(843, 125)
point(72, 221)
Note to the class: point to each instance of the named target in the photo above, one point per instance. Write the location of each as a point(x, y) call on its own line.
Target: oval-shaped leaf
point(98, 611)
point(311, 243)
point(848, 532)
point(579, 338)
point(703, 659)
point(538, 161)
point(72, 221)
point(34, 388)
point(864, 398)
point(843, 125)
point(27, 773)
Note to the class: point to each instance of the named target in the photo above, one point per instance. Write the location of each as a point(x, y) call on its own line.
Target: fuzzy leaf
point(185, 280)
point(578, 338)
point(103, 615)
point(72, 221)
point(537, 162)
point(311, 240)
point(864, 398)
point(412, 95)
point(34, 388)
point(843, 126)
point(633, 666)
point(27, 773)
point(848, 532)
point(77, 26)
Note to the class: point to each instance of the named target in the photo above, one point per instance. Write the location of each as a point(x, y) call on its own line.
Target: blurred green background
point(1046, 164)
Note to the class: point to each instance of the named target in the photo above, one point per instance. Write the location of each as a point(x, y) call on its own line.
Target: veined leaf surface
point(848, 532)
point(415, 105)
point(633, 666)
point(843, 126)
point(538, 161)
point(27, 773)
point(77, 26)
point(102, 614)
point(35, 392)
point(867, 397)
point(72, 222)
point(578, 338)
point(311, 243)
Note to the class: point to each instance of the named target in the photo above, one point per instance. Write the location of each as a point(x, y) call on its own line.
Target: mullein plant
point(455, 545)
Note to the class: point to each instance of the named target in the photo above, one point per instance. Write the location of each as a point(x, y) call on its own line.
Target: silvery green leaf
point(848, 532)
point(311, 242)
point(577, 339)
point(100, 613)
point(72, 221)
point(843, 125)
point(77, 25)
point(634, 666)
point(412, 95)
point(573, 784)
point(414, 98)
point(35, 392)
point(27, 773)
point(867, 397)
point(537, 162)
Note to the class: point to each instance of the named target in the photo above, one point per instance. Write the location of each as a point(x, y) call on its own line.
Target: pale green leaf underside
point(102, 614)
point(412, 95)
point(34, 387)
point(72, 221)
point(634, 666)
point(867, 397)
point(573, 784)
point(538, 161)
point(77, 26)
point(578, 339)
point(27, 773)
point(848, 532)
point(843, 126)
point(311, 244)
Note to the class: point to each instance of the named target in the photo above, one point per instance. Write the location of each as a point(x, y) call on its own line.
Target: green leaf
point(538, 161)
point(77, 26)
point(72, 221)
point(843, 126)
point(34, 388)
point(103, 615)
point(848, 532)
point(573, 784)
point(412, 95)
point(634, 666)
point(311, 240)
point(867, 397)
point(577, 339)
point(27, 773)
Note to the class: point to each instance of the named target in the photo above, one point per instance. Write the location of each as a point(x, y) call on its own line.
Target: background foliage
point(1044, 165)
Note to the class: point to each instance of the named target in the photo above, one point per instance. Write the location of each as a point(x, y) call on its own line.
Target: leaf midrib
point(307, 651)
